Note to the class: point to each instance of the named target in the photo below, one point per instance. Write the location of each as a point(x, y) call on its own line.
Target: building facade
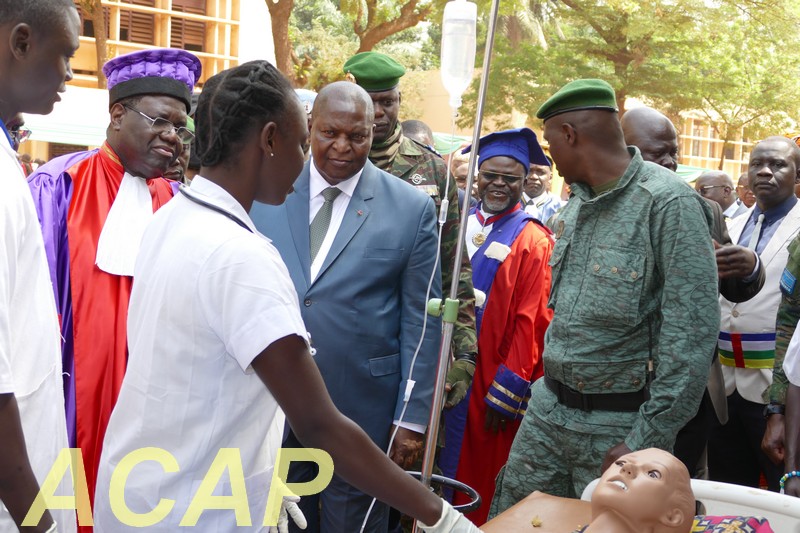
point(218, 32)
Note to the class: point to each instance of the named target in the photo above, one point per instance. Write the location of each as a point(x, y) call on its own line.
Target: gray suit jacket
point(366, 307)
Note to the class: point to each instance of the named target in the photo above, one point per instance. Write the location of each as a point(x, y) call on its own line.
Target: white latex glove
point(289, 508)
point(451, 521)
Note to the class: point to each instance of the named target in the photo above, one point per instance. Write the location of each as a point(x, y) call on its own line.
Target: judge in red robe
point(93, 207)
point(510, 251)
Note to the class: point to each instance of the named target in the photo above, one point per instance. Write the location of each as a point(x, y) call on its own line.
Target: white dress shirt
point(474, 226)
point(731, 211)
point(316, 185)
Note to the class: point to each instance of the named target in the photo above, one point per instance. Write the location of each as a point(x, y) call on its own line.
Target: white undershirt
point(731, 210)
point(316, 185)
point(473, 227)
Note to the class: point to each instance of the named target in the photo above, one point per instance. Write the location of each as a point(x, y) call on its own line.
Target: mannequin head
point(644, 491)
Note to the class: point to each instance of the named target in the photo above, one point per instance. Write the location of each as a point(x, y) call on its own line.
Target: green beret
point(577, 95)
point(374, 71)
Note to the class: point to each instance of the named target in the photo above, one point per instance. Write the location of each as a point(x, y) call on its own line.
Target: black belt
point(622, 401)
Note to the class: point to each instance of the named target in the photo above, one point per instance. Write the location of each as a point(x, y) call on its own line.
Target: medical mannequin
point(647, 491)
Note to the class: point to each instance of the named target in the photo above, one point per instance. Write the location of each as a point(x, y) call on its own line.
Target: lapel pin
point(359, 212)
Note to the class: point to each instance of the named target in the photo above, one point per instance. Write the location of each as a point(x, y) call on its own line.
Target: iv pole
point(451, 303)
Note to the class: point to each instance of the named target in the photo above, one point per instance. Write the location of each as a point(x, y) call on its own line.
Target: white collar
point(124, 226)
point(731, 209)
point(212, 193)
point(317, 184)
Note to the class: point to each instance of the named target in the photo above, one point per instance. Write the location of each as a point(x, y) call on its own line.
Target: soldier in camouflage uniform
point(635, 305)
point(788, 317)
point(782, 438)
point(416, 164)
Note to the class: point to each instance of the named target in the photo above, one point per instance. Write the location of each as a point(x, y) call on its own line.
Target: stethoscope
point(213, 207)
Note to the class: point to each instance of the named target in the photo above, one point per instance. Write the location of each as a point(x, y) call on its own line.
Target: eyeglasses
point(705, 189)
point(20, 135)
point(510, 179)
point(163, 126)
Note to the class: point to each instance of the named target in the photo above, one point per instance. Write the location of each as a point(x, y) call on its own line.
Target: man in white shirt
point(536, 195)
point(747, 338)
point(361, 248)
point(38, 37)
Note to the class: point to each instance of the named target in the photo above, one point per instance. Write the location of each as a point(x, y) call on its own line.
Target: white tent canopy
point(81, 117)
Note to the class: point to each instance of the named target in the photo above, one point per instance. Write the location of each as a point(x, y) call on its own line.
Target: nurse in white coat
point(217, 343)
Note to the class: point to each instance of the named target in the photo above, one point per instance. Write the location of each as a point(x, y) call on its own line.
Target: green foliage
point(748, 78)
point(323, 38)
point(324, 53)
point(735, 60)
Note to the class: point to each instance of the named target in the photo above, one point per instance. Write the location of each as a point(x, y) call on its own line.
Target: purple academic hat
point(519, 144)
point(166, 71)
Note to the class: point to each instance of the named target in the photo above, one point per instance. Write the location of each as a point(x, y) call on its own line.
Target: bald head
point(717, 186)
point(342, 91)
point(587, 146)
point(341, 131)
point(419, 131)
point(791, 146)
point(653, 134)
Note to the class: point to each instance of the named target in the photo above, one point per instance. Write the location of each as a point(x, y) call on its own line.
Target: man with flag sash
point(93, 207)
point(509, 250)
point(747, 330)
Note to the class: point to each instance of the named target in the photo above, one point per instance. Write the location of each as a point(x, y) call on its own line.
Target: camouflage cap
point(374, 71)
point(578, 95)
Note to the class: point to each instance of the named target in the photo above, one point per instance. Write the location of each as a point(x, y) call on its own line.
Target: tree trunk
point(279, 13)
point(622, 97)
point(372, 32)
point(95, 9)
point(722, 154)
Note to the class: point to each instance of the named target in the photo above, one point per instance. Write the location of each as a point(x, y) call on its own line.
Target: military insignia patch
point(349, 77)
point(430, 190)
point(788, 282)
point(417, 179)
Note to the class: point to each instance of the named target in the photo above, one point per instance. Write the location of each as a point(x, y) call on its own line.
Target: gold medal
point(478, 239)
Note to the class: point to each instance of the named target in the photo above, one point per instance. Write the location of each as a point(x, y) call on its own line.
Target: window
point(697, 132)
point(87, 24)
point(136, 27)
point(57, 149)
point(188, 34)
point(729, 152)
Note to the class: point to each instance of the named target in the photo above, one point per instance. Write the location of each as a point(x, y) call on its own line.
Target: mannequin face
point(647, 488)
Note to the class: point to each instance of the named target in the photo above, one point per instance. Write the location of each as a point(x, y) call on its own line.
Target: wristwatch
point(774, 409)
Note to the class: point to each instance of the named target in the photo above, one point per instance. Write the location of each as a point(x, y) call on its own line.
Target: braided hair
point(233, 104)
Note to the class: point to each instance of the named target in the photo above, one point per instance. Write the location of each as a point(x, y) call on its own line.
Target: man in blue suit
point(361, 248)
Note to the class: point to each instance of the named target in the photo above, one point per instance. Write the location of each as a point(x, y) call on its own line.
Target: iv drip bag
point(458, 48)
